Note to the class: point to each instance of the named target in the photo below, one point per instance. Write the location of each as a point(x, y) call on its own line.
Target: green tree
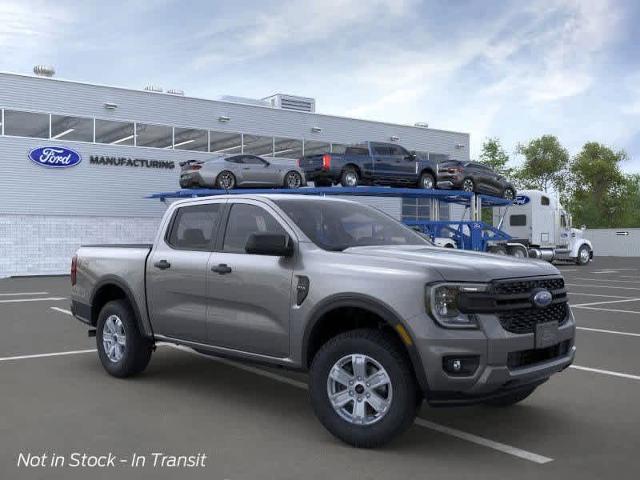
point(545, 164)
point(601, 194)
point(494, 156)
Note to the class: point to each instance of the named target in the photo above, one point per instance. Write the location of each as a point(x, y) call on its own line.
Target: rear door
point(177, 272)
point(249, 296)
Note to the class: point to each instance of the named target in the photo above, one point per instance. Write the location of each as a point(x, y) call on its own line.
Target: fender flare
point(375, 306)
point(118, 282)
point(578, 244)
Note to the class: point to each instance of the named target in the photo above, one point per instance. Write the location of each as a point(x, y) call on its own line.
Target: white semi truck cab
point(537, 222)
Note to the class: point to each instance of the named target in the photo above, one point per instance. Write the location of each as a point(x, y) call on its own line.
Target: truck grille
point(524, 358)
point(515, 309)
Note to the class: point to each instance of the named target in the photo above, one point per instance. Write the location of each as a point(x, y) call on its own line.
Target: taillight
point(195, 167)
point(74, 269)
point(326, 161)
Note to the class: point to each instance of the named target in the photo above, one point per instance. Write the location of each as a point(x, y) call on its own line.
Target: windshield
point(339, 225)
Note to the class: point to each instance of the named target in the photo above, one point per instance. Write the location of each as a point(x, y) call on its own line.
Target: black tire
point(427, 181)
point(349, 177)
point(582, 258)
point(405, 394)
point(510, 399)
point(289, 180)
point(468, 185)
point(137, 349)
point(509, 194)
point(226, 180)
point(498, 250)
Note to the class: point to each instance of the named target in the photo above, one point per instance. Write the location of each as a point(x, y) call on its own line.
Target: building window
point(26, 124)
point(114, 133)
point(287, 148)
point(71, 128)
point(157, 136)
point(257, 145)
point(190, 139)
point(225, 142)
point(312, 147)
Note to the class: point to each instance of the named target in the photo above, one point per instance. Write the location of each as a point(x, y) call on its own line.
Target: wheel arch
point(326, 321)
point(355, 166)
point(113, 288)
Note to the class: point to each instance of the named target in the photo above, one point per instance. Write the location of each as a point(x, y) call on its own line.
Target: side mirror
point(272, 244)
point(583, 227)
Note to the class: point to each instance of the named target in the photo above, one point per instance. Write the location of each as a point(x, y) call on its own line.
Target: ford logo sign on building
point(55, 157)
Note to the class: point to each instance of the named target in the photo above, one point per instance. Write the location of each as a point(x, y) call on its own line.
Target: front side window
point(252, 160)
point(26, 124)
point(194, 227)
point(336, 226)
point(398, 151)
point(244, 220)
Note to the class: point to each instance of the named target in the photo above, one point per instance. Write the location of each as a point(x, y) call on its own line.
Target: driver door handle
point(162, 264)
point(221, 269)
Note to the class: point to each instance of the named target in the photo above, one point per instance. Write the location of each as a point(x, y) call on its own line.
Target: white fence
point(615, 242)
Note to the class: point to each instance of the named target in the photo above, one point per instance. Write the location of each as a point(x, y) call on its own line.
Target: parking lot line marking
point(605, 302)
point(20, 300)
point(16, 294)
point(62, 310)
point(516, 452)
point(596, 295)
point(607, 280)
point(602, 286)
point(616, 310)
point(606, 372)
point(469, 437)
point(44, 355)
point(615, 332)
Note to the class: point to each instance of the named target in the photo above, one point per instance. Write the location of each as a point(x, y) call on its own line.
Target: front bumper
point(497, 350)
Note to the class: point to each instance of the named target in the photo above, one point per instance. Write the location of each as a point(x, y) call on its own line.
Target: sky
point(508, 69)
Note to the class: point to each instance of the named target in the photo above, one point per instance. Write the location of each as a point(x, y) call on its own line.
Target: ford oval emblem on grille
point(55, 157)
point(542, 298)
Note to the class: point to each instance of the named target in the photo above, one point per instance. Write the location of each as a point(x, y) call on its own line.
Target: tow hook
point(91, 332)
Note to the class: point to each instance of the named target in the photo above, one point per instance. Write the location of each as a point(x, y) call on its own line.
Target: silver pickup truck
point(379, 318)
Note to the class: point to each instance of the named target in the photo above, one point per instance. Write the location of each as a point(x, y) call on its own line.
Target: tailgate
point(311, 163)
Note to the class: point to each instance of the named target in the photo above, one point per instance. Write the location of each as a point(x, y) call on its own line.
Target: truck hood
point(460, 265)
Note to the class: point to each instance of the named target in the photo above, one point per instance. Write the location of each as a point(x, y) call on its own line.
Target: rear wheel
point(498, 250)
point(122, 349)
point(508, 193)
point(427, 181)
point(468, 185)
point(510, 399)
point(350, 177)
point(226, 180)
point(584, 255)
point(293, 180)
point(362, 388)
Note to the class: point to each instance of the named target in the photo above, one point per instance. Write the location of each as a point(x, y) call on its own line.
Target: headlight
point(444, 304)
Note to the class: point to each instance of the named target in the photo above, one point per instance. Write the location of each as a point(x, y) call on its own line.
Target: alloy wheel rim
point(351, 179)
point(584, 255)
point(226, 181)
point(508, 194)
point(114, 338)
point(293, 180)
point(467, 186)
point(359, 389)
point(427, 182)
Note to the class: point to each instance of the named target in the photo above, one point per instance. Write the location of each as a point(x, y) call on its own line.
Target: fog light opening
point(461, 365)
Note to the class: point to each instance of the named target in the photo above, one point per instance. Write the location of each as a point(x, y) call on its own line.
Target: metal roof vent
point(44, 71)
point(292, 102)
point(153, 88)
point(421, 124)
point(175, 91)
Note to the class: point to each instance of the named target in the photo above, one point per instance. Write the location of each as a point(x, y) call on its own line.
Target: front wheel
point(122, 349)
point(427, 181)
point(293, 180)
point(511, 398)
point(508, 194)
point(584, 255)
point(362, 388)
point(468, 185)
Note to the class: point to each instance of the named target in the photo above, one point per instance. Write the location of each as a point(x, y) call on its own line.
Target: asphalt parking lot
point(254, 423)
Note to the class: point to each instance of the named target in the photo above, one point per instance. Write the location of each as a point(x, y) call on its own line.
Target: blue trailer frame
point(470, 234)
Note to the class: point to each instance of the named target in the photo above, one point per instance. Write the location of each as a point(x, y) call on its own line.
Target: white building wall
point(615, 242)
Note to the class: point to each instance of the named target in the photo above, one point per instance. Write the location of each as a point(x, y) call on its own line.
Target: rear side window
point(518, 220)
point(245, 219)
point(357, 151)
point(195, 227)
point(397, 150)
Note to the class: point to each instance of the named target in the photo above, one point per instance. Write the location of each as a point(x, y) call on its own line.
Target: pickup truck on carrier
point(379, 318)
point(371, 163)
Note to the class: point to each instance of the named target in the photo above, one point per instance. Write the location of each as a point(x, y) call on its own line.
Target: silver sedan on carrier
point(228, 172)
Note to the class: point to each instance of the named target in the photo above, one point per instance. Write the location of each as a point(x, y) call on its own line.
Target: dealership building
point(77, 160)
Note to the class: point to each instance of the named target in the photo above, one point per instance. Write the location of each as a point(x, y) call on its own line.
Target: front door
point(249, 296)
point(177, 273)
